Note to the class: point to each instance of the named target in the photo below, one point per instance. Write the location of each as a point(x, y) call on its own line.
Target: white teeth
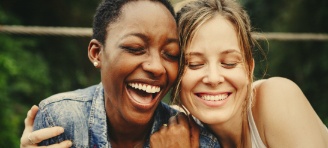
point(145, 87)
point(214, 97)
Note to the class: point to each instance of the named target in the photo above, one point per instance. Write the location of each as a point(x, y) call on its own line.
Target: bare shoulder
point(279, 91)
point(284, 116)
point(275, 97)
point(275, 84)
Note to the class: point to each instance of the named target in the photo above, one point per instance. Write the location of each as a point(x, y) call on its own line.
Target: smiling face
point(215, 81)
point(139, 61)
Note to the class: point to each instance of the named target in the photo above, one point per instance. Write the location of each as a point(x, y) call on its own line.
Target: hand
point(181, 132)
point(30, 138)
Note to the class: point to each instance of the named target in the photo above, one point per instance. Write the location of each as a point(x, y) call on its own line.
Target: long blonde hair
point(191, 16)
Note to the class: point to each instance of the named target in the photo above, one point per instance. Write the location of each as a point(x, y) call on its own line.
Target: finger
point(156, 140)
point(31, 115)
point(182, 119)
point(46, 133)
point(63, 144)
point(172, 121)
point(194, 134)
point(29, 120)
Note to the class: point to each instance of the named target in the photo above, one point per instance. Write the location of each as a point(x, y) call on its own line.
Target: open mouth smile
point(214, 99)
point(144, 95)
point(145, 87)
point(217, 97)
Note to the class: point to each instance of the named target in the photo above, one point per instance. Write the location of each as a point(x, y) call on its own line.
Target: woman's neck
point(229, 133)
point(122, 133)
point(127, 135)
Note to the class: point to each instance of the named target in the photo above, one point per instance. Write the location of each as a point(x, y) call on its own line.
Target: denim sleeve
point(207, 139)
point(43, 120)
point(71, 114)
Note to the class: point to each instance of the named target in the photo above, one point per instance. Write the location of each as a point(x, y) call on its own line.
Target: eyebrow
point(225, 52)
point(140, 35)
point(147, 39)
point(172, 40)
point(229, 51)
point(193, 54)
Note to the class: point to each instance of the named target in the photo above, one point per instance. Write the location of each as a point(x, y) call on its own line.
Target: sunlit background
point(34, 66)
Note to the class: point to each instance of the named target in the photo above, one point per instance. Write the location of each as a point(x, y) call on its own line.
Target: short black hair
point(109, 11)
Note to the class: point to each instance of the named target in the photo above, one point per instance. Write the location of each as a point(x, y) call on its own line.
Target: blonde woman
point(216, 78)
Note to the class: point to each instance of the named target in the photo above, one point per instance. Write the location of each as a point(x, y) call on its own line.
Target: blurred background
point(34, 66)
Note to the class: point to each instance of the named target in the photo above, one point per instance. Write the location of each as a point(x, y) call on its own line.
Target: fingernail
point(29, 112)
point(61, 130)
point(34, 106)
point(69, 143)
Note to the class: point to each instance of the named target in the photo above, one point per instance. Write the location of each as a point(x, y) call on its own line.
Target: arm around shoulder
point(284, 116)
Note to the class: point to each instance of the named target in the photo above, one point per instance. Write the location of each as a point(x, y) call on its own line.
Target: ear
point(94, 52)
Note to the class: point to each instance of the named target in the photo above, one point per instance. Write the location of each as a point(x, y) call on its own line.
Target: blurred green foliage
point(304, 62)
point(34, 67)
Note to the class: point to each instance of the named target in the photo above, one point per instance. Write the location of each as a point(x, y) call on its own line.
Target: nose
point(213, 76)
point(154, 65)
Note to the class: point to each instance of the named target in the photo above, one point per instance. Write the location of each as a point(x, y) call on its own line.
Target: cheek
point(186, 97)
point(239, 80)
point(238, 77)
point(172, 70)
point(188, 81)
point(114, 70)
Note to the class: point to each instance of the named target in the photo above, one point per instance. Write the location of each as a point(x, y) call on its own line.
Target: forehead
point(215, 33)
point(145, 11)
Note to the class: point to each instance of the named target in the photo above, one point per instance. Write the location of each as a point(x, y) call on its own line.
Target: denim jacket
point(82, 114)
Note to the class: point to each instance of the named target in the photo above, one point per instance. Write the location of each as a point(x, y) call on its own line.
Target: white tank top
point(255, 136)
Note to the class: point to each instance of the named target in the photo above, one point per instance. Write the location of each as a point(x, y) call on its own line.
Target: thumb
point(194, 132)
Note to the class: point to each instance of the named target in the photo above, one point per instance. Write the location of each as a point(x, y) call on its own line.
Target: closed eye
point(229, 65)
point(172, 57)
point(134, 50)
point(195, 66)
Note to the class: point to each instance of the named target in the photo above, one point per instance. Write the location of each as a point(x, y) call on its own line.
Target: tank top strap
point(255, 136)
